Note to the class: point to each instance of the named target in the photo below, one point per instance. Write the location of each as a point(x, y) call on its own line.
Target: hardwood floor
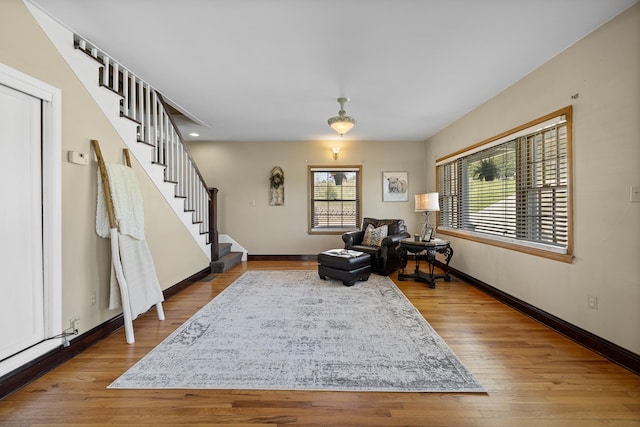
point(534, 376)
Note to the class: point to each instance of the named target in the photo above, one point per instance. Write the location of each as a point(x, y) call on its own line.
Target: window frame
point(311, 169)
point(515, 244)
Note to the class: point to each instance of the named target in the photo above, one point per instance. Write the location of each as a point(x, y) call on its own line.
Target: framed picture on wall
point(395, 186)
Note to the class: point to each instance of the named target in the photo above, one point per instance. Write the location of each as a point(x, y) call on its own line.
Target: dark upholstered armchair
point(384, 259)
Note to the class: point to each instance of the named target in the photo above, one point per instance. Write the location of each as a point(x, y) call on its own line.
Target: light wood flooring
point(534, 376)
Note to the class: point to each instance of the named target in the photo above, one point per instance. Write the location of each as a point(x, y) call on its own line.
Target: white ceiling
point(272, 70)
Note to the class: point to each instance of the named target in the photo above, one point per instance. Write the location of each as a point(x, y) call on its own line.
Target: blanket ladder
point(115, 251)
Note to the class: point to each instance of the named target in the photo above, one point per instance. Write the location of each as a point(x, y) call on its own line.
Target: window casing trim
point(566, 111)
point(474, 237)
point(564, 254)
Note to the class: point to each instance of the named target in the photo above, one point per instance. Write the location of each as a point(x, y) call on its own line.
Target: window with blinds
point(335, 199)
point(513, 188)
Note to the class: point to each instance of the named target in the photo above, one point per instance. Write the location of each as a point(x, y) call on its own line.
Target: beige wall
point(85, 256)
point(241, 172)
point(603, 69)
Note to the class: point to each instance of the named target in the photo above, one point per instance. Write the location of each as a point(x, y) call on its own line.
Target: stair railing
point(145, 106)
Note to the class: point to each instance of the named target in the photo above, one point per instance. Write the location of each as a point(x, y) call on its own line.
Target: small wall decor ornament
point(276, 181)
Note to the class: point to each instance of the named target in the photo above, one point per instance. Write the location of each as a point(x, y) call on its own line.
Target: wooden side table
point(426, 251)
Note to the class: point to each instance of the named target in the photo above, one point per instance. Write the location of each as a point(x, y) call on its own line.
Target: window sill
point(336, 231)
point(566, 258)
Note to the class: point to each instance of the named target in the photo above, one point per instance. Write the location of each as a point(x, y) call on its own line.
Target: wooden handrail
point(186, 150)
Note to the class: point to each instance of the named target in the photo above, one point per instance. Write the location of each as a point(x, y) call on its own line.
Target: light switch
point(635, 194)
point(77, 158)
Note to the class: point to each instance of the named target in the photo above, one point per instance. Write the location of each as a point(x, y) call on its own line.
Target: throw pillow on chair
point(373, 236)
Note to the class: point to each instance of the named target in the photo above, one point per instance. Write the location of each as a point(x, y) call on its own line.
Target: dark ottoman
point(346, 266)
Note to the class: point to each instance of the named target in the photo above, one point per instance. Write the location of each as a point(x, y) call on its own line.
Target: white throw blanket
point(135, 257)
point(127, 203)
point(140, 275)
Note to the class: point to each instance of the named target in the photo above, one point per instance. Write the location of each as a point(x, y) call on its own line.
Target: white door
point(21, 241)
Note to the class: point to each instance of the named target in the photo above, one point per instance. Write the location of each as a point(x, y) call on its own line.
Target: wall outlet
point(635, 194)
point(593, 302)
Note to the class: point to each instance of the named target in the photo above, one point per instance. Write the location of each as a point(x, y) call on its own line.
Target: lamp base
point(428, 231)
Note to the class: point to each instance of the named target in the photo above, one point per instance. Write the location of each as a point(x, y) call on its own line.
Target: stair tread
point(225, 262)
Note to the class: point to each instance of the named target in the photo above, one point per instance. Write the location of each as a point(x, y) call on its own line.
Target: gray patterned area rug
point(290, 330)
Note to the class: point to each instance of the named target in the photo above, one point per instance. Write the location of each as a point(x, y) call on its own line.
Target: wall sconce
point(336, 151)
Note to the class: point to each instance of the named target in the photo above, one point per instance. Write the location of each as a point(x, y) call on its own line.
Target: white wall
point(603, 69)
point(241, 172)
point(85, 256)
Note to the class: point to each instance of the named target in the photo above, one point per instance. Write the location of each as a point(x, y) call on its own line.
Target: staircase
point(163, 147)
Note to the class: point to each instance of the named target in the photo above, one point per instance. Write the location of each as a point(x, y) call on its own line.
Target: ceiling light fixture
point(341, 123)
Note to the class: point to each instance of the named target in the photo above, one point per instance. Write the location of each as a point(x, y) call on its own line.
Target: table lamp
point(427, 203)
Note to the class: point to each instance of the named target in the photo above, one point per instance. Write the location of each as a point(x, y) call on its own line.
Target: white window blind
point(335, 198)
point(516, 191)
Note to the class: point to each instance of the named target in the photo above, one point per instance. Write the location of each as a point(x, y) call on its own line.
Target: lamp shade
point(433, 205)
point(341, 123)
point(427, 202)
point(421, 202)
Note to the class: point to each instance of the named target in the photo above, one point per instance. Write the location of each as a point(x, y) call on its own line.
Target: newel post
point(213, 223)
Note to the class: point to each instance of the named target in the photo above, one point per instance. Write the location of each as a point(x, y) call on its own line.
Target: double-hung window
point(335, 199)
point(513, 190)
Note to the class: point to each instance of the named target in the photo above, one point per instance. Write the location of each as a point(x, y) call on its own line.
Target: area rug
point(290, 330)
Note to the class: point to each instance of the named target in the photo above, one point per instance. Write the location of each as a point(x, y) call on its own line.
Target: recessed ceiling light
point(194, 134)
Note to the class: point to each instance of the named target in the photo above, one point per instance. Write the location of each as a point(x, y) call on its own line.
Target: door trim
point(51, 210)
